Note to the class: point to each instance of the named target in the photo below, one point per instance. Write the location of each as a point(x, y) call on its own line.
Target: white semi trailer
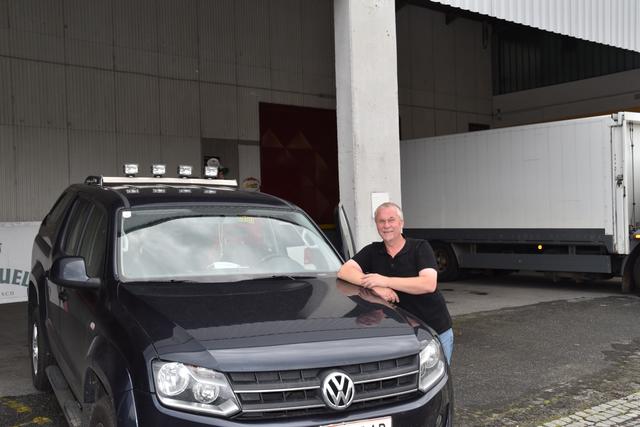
point(556, 197)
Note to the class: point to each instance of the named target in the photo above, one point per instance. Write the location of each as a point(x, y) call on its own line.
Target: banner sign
point(16, 242)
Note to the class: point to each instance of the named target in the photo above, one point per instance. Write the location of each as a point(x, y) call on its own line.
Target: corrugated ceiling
point(611, 22)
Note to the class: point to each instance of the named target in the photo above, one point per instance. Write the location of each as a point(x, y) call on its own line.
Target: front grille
point(292, 393)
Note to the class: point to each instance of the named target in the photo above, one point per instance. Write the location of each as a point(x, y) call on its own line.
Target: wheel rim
point(34, 349)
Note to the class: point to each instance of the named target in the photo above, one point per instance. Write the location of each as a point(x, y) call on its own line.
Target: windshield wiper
point(283, 276)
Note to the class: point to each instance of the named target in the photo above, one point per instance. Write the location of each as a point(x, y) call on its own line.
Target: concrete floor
point(487, 293)
point(15, 368)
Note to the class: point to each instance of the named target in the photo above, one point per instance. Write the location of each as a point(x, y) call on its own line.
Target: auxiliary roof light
point(130, 169)
point(158, 170)
point(185, 171)
point(210, 172)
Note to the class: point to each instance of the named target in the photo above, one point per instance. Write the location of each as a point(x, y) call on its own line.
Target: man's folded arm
point(351, 272)
point(426, 282)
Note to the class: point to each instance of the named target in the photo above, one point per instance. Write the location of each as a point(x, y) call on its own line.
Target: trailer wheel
point(447, 263)
point(635, 277)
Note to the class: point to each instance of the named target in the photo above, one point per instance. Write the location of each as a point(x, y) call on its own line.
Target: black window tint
point(75, 225)
point(58, 209)
point(92, 245)
point(52, 221)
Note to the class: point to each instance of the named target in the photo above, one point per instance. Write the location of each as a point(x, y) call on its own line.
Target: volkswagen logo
point(337, 390)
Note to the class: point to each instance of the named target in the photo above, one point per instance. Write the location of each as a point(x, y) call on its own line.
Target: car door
point(48, 247)
point(346, 236)
point(59, 295)
point(77, 321)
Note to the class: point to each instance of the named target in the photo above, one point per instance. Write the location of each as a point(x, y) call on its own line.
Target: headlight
point(193, 388)
point(432, 365)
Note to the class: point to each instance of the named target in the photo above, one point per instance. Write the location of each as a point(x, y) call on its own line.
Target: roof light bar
point(130, 169)
point(185, 171)
point(210, 172)
point(158, 170)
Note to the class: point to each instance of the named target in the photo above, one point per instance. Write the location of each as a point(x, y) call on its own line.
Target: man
point(402, 271)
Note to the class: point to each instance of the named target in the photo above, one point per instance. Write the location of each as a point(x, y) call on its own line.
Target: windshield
point(212, 243)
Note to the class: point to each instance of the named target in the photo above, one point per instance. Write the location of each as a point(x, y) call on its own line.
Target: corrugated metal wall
point(86, 85)
point(611, 22)
point(444, 73)
point(527, 58)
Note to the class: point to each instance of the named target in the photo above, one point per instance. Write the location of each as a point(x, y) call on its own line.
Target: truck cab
point(184, 301)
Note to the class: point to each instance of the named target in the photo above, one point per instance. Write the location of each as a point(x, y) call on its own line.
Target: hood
point(270, 323)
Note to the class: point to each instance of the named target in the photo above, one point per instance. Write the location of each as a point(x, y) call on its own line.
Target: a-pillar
point(367, 110)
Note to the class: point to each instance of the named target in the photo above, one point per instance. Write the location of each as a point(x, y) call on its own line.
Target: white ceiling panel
point(610, 22)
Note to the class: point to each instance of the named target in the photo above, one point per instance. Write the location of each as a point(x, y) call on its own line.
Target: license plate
point(374, 422)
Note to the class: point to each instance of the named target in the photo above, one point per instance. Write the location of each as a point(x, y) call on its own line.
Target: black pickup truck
point(166, 301)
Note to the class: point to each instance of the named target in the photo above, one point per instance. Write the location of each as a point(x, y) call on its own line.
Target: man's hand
point(387, 294)
point(374, 280)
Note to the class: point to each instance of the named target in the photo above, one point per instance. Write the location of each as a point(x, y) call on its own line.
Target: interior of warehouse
point(87, 86)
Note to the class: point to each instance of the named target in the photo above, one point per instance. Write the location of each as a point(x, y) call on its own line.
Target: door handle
point(62, 295)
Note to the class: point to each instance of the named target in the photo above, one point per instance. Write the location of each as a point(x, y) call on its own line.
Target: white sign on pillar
point(376, 200)
point(16, 242)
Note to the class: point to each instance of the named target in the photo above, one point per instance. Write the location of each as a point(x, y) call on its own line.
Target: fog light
point(205, 393)
point(211, 172)
point(158, 170)
point(130, 169)
point(185, 171)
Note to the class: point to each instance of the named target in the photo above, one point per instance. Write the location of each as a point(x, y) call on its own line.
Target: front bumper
point(434, 409)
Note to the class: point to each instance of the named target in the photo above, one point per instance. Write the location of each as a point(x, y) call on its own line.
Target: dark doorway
point(299, 158)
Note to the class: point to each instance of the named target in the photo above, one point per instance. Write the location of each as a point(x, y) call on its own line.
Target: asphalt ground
point(527, 351)
point(528, 365)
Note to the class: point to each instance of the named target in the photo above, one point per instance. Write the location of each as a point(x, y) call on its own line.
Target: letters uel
point(13, 276)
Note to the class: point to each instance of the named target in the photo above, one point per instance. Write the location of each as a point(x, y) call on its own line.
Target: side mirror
point(72, 273)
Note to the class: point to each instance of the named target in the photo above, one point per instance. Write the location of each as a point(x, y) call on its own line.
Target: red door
point(299, 157)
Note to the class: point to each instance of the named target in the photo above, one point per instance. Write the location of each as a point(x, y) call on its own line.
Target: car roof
point(163, 191)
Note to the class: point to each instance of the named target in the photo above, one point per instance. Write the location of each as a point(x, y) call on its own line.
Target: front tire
point(103, 414)
point(39, 352)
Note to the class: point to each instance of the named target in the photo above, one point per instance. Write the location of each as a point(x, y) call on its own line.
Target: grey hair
point(390, 205)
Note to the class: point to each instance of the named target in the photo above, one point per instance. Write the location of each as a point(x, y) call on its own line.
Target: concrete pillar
point(367, 110)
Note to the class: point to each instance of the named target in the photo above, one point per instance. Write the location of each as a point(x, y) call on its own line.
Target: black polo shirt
point(413, 257)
